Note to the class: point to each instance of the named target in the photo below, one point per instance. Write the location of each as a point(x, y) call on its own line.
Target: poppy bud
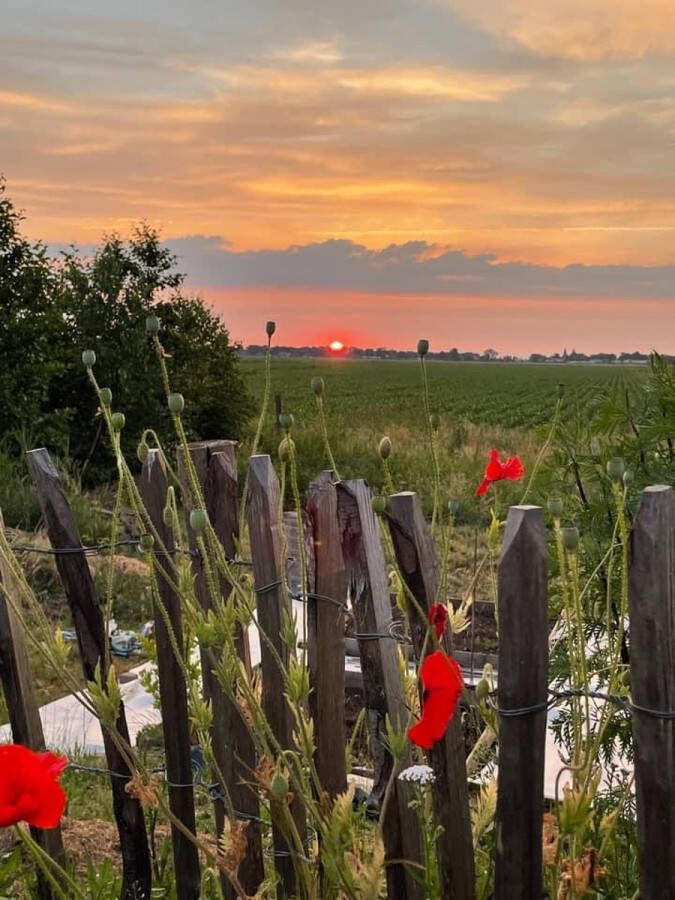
point(105, 396)
point(570, 538)
point(142, 451)
point(167, 516)
point(117, 419)
point(615, 468)
point(147, 542)
point(555, 507)
point(561, 391)
point(435, 421)
point(152, 325)
point(453, 507)
point(628, 477)
point(379, 505)
point(384, 447)
point(88, 358)
point(176, 404)
point(625, 678)
point(286, 421)
point(198, 520)
point(482, 689)
point(422, 347)
point(270, 328)
point(284, 450)
point(317, 386)
point(279, 788)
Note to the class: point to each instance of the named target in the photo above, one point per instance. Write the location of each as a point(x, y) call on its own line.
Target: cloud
point(415, 267)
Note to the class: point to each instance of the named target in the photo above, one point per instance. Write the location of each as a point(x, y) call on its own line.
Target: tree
point(100, 302)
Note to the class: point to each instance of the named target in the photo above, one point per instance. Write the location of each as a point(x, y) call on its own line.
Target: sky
point(496, 173)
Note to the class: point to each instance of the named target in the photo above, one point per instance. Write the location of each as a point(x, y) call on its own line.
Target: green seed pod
point(279, 788)
point(561, 390)
point(453, 507)
point(555, 507)
point(570, 538)
point(284, 450)
point(482, 689)
point(105, 396)
point(379, 505)
point(88, 358)
point(384, 447)
point(422, 347)
point(142, 451)
point(317, 385)
point(625, 678)
point(152, 325)
point(286, 421)
point(435, 421)
point(167, 516)
point(615, 468)
point(198, 520)
point(628, 477)
point(118, 420)
point(147, 542)
point(270, 328)
point(176, 404)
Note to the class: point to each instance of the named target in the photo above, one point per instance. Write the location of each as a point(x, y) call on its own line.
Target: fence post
point(24, 714)
point(523, 683)
point(382, 684)
point(326, 629)
point(652, 671)
point(87, 616)
point(215, 463)
point(272, 599)
point(153, 486)
point(419, 565)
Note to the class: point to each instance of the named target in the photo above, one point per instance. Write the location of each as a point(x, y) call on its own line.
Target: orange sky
point(519, 131)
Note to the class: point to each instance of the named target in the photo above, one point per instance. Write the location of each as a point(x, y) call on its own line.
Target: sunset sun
point(336, 346)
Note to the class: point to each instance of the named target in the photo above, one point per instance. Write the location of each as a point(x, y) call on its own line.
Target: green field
point(481, 405)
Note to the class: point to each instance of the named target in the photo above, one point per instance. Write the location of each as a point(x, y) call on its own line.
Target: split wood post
point(85, 608)
point(24, 715)
point(382, 684)
point(652, 671)
point(326, 634)
point(215, 464)
point(523, 683)
point(272, 599)
point(153, 486)
point(419, 565)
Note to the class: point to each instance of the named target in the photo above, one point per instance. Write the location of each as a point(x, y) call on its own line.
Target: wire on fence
point(615, 699)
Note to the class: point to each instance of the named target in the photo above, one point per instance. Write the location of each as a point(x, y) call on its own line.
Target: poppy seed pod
point(435, 421)
point(198, 520)
point(152, 325)
point(270, 328)
point(147, 542)
point(615, 468)
point(317, 385)
point(384, 447)
point(570, 538)
point(176, 404)
point(117, 419)
point(555, 507)
point(422, 347)
point(279, 788)
point(453, 507)
point(286, 421)
point(88, 358)
point(142, 451)
point(379, 505)
point(105, 396)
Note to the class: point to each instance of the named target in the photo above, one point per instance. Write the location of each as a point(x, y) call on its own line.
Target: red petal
point(494, 469)
point(443, 684)
point(482, 487)
point(513, 468)
point(438, 617)
point(29, 791)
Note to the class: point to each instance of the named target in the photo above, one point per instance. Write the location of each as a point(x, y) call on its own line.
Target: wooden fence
point(347, 563)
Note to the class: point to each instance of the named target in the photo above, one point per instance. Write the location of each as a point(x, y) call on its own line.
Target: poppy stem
point(53, 872)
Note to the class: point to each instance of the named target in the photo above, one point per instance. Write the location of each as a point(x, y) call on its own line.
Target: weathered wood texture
point(85, 608)
point(272, 600)
point(383, 688)
point(326, 627)
point(215, 463)
point(523, 682)
point(24, 716)
point(418, 562)
point(652, 669)
point(153, 486)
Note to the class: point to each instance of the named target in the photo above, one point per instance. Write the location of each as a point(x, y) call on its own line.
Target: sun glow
point(336, 346)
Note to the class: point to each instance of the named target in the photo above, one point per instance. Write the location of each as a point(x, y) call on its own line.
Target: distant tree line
point(54, 309)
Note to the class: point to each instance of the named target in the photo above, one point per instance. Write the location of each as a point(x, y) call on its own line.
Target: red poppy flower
point(442, 685)
point(438, 617)
point(29, 790)
point(512, 469)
